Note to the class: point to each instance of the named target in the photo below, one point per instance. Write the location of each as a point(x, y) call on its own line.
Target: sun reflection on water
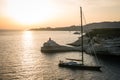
point(28, 48)
point(29, 58)
point(27, 35)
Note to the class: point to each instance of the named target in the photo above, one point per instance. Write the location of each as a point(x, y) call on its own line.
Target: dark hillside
point(87, 27)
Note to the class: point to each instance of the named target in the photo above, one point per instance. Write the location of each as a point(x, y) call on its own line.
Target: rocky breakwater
point(52, 47)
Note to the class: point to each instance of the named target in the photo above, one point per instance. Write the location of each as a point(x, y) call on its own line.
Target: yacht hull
point(80, 67)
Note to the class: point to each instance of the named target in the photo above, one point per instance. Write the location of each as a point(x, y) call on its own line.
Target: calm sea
point(21, 58)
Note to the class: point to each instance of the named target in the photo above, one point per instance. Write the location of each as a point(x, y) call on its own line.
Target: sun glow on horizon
point(25, 14)
point(31, 11)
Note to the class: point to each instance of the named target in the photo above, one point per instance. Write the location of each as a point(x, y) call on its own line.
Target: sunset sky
point(25, 14)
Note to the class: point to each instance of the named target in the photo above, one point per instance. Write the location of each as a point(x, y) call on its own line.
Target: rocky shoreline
point(101, 42)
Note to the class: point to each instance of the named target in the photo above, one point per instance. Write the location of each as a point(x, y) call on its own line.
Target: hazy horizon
point(26, 14)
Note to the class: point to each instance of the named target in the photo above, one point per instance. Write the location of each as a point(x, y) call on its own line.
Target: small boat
point(52, 47)
point(74, 63)
point(76, 32)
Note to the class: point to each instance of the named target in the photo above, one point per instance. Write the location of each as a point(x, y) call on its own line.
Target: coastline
point(104, 42)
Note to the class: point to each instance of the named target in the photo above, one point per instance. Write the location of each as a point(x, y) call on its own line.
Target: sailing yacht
point(74, 63)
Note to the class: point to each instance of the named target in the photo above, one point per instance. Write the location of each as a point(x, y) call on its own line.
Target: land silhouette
point(87, 27)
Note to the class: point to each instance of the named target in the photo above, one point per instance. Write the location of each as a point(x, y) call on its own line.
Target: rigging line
point(85, 22)
point(92, 44)
point(84, 19)
point(94, 51)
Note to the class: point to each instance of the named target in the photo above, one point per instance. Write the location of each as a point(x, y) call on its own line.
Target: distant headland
point(77, 28)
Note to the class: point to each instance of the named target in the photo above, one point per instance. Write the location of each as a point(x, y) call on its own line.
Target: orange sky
point(25, 14)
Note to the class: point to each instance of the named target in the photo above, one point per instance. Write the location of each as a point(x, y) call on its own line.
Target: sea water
point(21, 58)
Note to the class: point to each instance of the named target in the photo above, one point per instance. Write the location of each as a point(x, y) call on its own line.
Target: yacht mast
point(81, 34)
